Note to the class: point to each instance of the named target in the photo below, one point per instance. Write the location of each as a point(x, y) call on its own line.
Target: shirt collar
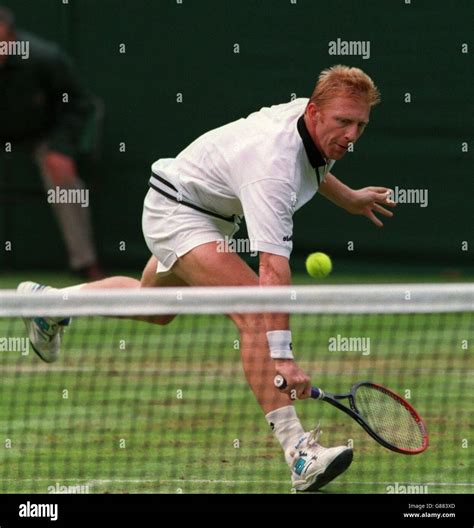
point(314, 155)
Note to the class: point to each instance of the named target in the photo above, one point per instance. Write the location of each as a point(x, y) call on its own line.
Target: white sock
point(51, 289)
point(69, 289)
point(286, 426)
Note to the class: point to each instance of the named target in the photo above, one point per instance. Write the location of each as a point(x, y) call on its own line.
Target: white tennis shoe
point(312, 465)
point(44, 333)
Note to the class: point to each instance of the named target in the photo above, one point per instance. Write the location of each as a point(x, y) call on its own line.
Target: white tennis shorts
point(171, 229)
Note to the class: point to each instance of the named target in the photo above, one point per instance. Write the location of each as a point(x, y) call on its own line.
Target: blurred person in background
point(45, 111)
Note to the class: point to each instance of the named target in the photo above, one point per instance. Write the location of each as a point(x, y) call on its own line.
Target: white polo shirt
point(264, 167)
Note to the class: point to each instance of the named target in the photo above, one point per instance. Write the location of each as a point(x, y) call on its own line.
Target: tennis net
point(136, 407)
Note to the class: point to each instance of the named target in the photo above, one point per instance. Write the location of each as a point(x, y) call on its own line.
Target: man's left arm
point(365, 202)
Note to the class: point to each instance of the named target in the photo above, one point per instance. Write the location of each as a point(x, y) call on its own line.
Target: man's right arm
point(268, 209)
point(274, 270)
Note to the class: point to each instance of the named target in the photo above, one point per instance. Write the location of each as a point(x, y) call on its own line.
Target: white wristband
point(279, 342)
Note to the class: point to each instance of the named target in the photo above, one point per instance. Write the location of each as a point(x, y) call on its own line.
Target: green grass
point(344, 273)
point(167, 410)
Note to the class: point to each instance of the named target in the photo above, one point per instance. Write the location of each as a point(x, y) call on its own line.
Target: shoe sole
point(37, 352)
point(31, 287)
point(335, 468)
point(41, 356)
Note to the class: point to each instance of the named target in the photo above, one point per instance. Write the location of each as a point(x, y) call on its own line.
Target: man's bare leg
point(204, 266)
point(149, 279)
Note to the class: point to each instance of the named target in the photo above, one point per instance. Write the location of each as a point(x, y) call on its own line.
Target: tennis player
point(264, 167)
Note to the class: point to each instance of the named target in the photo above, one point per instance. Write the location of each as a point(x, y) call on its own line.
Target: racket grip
point(280, 383)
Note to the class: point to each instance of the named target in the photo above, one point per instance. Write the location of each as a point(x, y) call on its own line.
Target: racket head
point(392, 421)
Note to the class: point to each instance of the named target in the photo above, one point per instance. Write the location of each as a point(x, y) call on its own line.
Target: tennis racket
point(386, 416)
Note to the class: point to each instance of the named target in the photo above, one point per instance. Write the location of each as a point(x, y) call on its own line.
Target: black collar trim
point(314, 155)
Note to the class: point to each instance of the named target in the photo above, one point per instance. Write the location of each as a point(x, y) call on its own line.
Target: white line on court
point(233, 482)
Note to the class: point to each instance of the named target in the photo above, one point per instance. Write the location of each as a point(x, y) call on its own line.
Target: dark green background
point(188, 48)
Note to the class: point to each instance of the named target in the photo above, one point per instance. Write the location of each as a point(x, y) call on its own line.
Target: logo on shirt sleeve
point(293, 201)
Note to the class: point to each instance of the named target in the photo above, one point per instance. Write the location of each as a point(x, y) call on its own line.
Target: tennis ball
point(318, 265)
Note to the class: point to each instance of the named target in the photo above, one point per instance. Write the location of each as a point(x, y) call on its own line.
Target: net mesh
point(136, 407)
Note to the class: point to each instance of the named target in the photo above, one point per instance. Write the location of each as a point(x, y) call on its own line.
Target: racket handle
point(280, 383)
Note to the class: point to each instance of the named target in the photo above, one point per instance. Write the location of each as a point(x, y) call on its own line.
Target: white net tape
point(382, 298)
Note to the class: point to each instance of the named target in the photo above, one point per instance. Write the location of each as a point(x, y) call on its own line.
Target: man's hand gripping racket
point(385, 415)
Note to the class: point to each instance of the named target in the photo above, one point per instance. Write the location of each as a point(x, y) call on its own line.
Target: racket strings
point(389, 418)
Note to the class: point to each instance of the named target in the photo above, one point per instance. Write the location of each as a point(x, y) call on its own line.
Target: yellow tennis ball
point(318, 265)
